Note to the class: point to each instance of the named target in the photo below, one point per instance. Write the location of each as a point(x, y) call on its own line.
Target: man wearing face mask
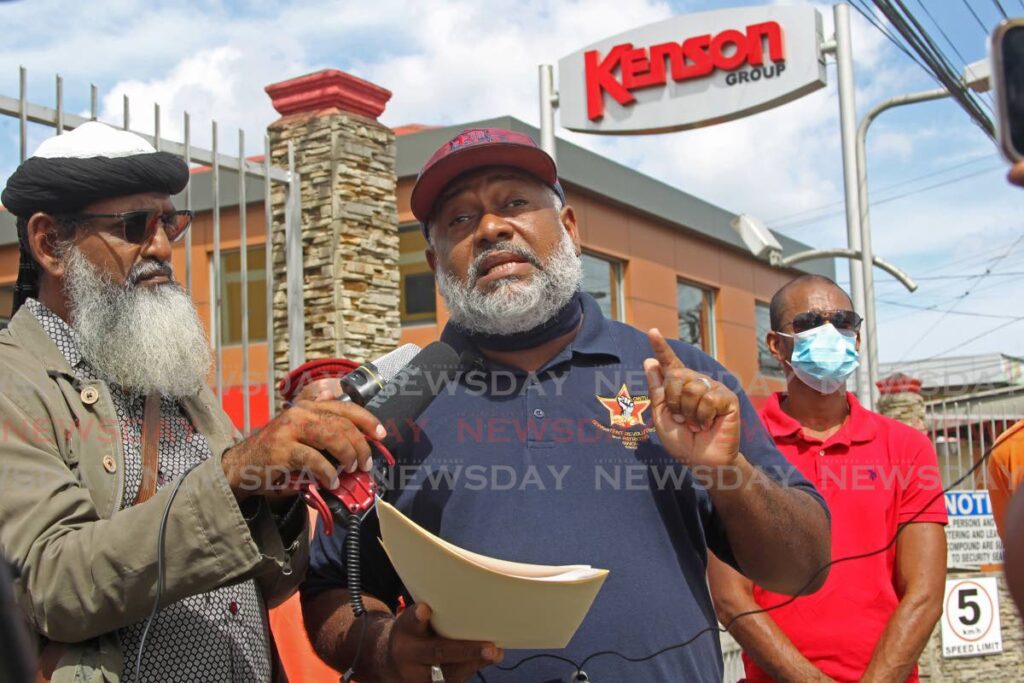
point(874, 615)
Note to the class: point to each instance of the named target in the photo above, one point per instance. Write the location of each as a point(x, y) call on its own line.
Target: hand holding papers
point(474, 597)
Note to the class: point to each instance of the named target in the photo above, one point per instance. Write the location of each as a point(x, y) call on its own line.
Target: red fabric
point(875, 473)
point(310, 371)
point(300, 663)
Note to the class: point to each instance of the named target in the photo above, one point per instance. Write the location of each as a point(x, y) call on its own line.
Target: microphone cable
point(160, 568)
point(353, 576)
point(579, 675)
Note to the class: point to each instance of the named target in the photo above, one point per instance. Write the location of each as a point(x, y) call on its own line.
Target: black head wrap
point(65, 184)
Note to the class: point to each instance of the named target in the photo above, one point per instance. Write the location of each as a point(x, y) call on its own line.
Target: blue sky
point(449, 62)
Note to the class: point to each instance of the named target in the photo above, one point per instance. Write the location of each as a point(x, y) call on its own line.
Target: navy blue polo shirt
point(563, 466)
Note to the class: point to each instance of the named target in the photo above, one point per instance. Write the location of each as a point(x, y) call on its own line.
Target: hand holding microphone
point(296, 441)
point(303, 440)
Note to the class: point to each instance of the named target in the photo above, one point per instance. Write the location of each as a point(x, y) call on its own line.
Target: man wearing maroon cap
point(566, 391)
point(874, 615)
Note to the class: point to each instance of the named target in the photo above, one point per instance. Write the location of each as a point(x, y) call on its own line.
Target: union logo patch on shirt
point(625, 412)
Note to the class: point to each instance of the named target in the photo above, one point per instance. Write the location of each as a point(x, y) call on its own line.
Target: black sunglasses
point(138, 227)
point(841, 320)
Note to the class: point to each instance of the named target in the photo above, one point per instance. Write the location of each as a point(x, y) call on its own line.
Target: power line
point(907, 25)
point(953, 277)
point(957, 364)
point(1000, 8)
point(839, 202)
point(976, 17)
point(960, 298)
point(975, 338)
point(791, 225)
point(869, 15)
point(967, 276)
point(982, 257)
point(934, 307)
point(941, 32)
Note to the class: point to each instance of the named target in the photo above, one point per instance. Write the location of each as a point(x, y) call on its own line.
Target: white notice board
point(971, 538)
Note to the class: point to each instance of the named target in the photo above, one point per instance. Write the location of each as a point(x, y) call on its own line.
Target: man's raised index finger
point(663, 353)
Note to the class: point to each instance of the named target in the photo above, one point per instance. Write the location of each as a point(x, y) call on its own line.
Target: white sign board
point(970, 618)
point(691, 71)
point(971, 537)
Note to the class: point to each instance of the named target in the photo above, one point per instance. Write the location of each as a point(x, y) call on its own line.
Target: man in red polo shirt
point(874, 615)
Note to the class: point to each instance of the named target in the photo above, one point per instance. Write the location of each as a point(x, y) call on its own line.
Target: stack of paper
point(473, 597)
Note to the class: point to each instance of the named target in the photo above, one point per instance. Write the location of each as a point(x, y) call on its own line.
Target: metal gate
point(964, 427)
point(215, 162)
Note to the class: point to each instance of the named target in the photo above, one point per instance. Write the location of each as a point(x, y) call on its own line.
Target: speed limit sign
point(970, 618)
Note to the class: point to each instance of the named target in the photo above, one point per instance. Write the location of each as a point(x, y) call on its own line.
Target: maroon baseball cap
point(475, 148)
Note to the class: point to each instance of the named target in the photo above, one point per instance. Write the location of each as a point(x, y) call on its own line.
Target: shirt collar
point(859, 427)
point(58, 330)
point(596, 336)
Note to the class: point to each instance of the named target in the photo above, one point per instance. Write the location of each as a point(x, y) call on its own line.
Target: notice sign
point(970, 618)
point(971, 538)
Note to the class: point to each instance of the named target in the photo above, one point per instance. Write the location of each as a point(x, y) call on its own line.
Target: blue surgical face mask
point(823, 357)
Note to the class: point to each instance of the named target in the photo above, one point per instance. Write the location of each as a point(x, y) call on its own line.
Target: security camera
point(758, 238)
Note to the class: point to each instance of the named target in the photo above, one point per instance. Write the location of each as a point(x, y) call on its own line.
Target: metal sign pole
point(848, 127)
point(548, 102)
point(293, 260)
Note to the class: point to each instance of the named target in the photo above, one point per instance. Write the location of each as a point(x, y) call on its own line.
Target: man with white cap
point(120, 470)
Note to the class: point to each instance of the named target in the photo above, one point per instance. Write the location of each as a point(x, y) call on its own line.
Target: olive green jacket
point(84, 567)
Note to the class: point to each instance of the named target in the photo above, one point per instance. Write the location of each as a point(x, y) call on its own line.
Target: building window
point(6, 304)
point(696, 316)
point(418, 301)
point(766, 362)
point(602, 279)
point(231, 295)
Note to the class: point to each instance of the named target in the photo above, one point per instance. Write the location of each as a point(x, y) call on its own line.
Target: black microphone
point(363, 383)
point(396, 405)
point(413, 388)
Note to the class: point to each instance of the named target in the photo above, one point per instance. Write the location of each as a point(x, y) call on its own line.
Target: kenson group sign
point(693, 70)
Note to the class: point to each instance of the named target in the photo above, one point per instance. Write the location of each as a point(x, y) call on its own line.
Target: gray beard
point(145, 339)
point(511, 305)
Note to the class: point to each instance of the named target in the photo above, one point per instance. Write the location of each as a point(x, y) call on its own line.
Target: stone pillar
point(346, 162)
point(901, 400)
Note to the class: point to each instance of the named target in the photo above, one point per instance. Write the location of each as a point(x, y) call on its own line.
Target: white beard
point(511, 305)
point(145, 339)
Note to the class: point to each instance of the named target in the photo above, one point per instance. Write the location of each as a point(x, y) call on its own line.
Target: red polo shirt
point(875, 474)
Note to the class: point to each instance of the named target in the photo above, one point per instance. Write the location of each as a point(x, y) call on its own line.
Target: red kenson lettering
point(693, 58)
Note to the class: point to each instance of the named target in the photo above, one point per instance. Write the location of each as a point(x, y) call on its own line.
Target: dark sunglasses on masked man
point(138, 227)
point(841, 320)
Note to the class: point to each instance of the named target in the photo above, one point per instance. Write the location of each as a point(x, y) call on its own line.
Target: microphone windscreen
point(389, 365)
point(405, 397)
